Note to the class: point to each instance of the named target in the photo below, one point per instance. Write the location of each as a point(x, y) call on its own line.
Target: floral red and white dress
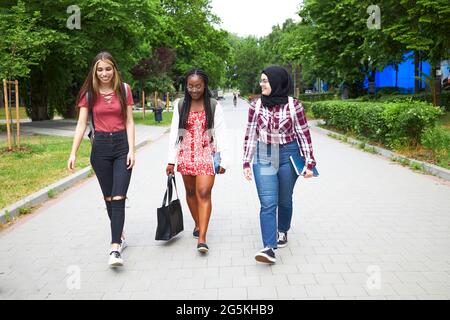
point(195, 151)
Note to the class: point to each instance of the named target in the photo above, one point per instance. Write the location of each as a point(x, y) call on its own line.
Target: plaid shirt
point(274, 126)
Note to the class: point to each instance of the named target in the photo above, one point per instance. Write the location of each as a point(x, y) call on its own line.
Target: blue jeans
point(275, 180)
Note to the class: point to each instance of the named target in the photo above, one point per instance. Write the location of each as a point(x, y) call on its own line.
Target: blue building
point(405, 75)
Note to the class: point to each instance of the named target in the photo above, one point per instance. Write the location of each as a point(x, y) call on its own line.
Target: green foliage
point(40, 161)
point(189, 28)
point(416, 166)
point(25, 210)
point(437, 139)
point(423, 25)
point(391, 94)
point(24, 41)
point(394, 124)
point(149, 119)
point(317, 96)
point(407, 121)
point(332, 42)
point(249, 64)
point(51, 193)
point(51, 61)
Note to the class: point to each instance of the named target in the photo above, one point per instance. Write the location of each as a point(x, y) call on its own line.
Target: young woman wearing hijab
point(274, 133)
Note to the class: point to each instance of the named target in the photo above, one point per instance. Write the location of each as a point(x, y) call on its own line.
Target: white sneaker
point(115, 260)
point(282, 239)
point(266, 255)
point(122, 246)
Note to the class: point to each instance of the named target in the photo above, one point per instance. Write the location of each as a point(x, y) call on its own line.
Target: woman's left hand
point(130, 160)
point(308, 174)
point(221, 170)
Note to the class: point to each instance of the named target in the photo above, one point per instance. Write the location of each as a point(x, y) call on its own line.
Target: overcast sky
point(254, 17)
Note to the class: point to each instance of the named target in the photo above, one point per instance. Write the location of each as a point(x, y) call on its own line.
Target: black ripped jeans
point(109, 161)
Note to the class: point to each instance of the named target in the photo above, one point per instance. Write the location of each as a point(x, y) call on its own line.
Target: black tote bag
point(170, 216)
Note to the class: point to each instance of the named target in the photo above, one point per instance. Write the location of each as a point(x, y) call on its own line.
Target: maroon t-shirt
point(108, 115)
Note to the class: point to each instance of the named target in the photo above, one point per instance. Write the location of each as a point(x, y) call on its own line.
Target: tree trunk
point(299, 79)
point(371, 88)
point(417, 77)
point(70, 111)
point(345, 92)
point(396, 76)
point(39, 96)
point(437, 84)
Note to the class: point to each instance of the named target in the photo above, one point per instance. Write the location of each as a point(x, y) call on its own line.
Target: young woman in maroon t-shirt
point(112, 156)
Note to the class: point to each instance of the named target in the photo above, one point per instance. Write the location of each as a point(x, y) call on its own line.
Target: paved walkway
point(366, 229)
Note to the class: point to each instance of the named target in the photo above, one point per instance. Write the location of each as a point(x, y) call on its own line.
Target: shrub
point(394, 124)
point(406, 121)
point(424, 96)
point(316, 96)
point(437, 139)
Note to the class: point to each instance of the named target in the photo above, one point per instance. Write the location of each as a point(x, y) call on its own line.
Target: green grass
point(13, 128)
point(416, 166)
point(25, 210)
point(22, 113)
point(150, 119)
point(310, 115)
point(41, 161)
point(444, 120)
point(51, 193)
point(418, 152)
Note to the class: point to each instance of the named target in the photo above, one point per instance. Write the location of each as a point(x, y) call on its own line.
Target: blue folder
point(298, 162)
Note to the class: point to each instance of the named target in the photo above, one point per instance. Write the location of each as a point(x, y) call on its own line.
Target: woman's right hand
point(248, 174)
point(71, 162)
point(170, 169)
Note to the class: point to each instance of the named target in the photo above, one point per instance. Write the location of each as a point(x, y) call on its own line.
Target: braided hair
point(187, 100)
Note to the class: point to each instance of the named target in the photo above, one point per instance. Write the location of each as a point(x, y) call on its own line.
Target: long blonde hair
point(91, 84)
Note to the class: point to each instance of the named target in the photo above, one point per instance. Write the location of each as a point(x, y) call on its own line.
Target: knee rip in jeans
point(110, 199)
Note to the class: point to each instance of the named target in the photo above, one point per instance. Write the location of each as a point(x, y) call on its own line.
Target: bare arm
point(79, 133)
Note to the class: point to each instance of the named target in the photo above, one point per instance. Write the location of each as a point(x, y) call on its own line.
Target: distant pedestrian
point(109, 101)
point(196, 135)
point(276, 129)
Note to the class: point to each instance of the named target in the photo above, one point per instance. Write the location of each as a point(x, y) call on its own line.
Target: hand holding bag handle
point(170, 215)
point(169, 189)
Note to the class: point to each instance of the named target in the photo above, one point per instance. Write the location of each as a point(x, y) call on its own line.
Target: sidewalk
point(367, 228)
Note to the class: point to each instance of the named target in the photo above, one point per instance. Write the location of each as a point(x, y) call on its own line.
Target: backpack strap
point(90, 116)
point(293, 117)
point(292, 110)
point(213, 106)
point(258, 106)
point(125, 87)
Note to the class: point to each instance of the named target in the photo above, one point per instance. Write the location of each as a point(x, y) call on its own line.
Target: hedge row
point(425, 96)
point(393, 124)
point(316, 96)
